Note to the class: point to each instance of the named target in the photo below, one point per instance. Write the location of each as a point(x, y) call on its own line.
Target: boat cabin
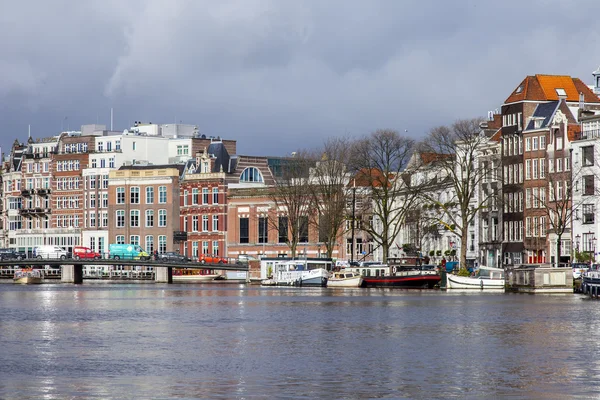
point(269, 266)
point(540, 278)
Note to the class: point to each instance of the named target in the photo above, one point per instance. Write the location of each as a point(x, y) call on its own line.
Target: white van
point(52, 252)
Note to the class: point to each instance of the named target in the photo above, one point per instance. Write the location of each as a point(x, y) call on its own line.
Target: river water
point(249, 342)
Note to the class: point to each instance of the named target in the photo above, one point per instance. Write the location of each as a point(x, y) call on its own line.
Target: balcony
point(43, 192)
point(26, 211)
point(179, 236)
point(26, 192)
point(590, 134)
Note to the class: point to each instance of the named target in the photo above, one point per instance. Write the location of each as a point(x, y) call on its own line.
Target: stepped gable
point(543, 88)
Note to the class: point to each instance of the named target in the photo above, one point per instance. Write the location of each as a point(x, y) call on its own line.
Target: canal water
point(249, 342)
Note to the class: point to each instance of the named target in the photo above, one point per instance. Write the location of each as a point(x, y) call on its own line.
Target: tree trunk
point(558, 248)
point(463, 251)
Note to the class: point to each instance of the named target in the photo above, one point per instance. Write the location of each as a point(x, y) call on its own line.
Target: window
point(528, 144)
point(195, 249)
point(120, 239)
point(92, 219)
point(182, 150)
point(104, 181)
point(100, 146)
point(244, 230)
point(205, 195)
point(149, 218)
point(588, 155)
point(134, 240)
point(118, 145)
point(551, 165)
point(120, 218)
point(542, 168)
point(93, 183)
point(149, 244)
point(303, 229)
point(542, 142)
point(588, 213)
point(251, 174)
point(162, 243)
point(149, 195)
point(194, 196)
point(104, 200)
point(102, 163)
point(134, 195)
point(263, 230)
point(283, 229)
point(205, 247)
point(567, 163)
point(134, 220)
point(108, 146)
point(559, 190)
point(120, 195)
point(527, 169)
point(194, 223)
point(536, 197)
point(162, 218)
point(215, 223)
point(215, 248)
point(588, 185)
point(111, 162)
point(215, 193)
point(185, 197)
point(559, 165)
point(92, 200)
point(162, 194)
point(528, 198)
point(535, 168)
point(104, 219)
point(534, 143)
point(528, 227)
point(205, 223)
point(133, 146)
point(559, 142)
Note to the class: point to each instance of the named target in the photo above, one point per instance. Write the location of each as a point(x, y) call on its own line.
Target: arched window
point(251, 174)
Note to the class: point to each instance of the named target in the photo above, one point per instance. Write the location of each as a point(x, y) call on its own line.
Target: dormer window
point(560, 92)
point(251, 174)
point(519, 89)
point(205, 167)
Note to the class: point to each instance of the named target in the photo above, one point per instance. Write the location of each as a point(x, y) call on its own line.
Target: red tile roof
point(543, 88)
point(573, 132)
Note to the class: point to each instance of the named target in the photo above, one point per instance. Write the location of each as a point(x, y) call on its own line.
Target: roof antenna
point(29, 131)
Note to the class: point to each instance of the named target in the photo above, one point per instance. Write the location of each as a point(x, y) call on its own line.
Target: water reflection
point(233, 341)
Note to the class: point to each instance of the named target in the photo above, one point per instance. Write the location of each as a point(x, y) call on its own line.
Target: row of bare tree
point(383, 167)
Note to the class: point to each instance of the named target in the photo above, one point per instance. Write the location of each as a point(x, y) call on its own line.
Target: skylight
point(519, 89)
point(560, 92)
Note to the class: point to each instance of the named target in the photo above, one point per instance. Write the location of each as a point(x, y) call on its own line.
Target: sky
point(279, 75)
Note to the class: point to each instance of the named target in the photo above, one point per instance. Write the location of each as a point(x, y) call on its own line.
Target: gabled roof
point(369, 177)
point(428, 158)
point(543, 88)
point(545, 111)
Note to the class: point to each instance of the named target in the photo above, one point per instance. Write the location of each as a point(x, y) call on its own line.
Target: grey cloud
point(278, 75)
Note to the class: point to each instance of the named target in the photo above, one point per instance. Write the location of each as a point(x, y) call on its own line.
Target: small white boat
point(298, 273)
point(485, 279)
point(344, 279)
point(27, 276)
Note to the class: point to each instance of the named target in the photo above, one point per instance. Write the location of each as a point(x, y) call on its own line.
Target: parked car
point(51, 252)
point(211, 259)
point(12, 254)
point(172, 256)
point(80, 252)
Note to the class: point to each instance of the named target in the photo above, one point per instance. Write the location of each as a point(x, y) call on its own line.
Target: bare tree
point(292, 197)
point(378, 161)
point(455, 151)
point(328, 179)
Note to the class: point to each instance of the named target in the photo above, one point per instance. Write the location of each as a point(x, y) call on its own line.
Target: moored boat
point(28, 276)
point(405, 276)
point(297, 273)
point(484, 279)
point(344, 279)
point(194, 275)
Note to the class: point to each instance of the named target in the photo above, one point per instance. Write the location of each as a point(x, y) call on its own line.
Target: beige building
point(143, 206)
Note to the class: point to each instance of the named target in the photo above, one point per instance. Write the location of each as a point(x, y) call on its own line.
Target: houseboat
point(398, 276)
point(539, 278)
point(295, 272)
point(483, 278)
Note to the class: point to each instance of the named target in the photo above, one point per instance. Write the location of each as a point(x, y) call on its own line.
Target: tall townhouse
point(70, 194)
point(489, 220)
point(36, 197)
point(203, 215)
point(517, 112)
point(144, 206)
point(548, 135)
point(13, 202)
point(586, 181)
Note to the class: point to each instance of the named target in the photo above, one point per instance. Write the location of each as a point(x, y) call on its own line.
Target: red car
point(211, 259)
point(81, 252)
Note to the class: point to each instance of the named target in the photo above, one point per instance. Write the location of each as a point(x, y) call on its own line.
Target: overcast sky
point(279, 75)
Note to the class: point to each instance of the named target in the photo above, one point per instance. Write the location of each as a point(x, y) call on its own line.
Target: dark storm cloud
point(278, 75)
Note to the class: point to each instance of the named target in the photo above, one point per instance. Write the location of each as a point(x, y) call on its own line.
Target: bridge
point(72, 270)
